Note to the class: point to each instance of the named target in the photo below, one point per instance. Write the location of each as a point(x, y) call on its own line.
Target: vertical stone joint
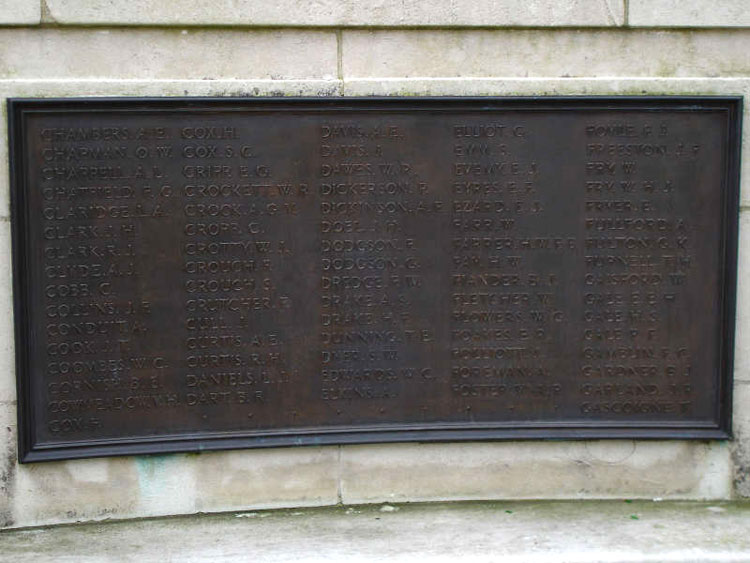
point(46, 13)
point(339, 495)
point(340, 59)
point(626, 12)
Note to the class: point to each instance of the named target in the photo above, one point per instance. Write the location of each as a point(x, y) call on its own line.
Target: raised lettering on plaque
point(196, 274)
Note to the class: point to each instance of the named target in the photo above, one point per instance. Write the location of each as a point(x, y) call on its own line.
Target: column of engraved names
point(92, 189)
point(373, 204)
point(506, 310)
point(635, 352)
point(236, 303)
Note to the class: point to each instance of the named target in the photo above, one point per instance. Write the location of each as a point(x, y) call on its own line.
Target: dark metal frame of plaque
point(159, 440)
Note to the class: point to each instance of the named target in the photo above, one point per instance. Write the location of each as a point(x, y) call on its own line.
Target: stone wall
point(380, 47)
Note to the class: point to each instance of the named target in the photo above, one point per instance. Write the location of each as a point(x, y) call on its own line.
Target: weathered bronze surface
point(211, 273)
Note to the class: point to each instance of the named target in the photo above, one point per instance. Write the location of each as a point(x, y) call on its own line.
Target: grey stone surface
point(528, 470)
point(7, 350)
point(267, 478)
point(8, 465)
point(689, 13)
point(340, 12)
point(741, 443)
point(551, 53)
point(20, 12)
point(742, 328)
point(517, 532)
point(157, 54)
point(91, 489)
point(139, 486)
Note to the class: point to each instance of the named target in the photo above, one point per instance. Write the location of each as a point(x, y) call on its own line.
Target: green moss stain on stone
point(153, 471)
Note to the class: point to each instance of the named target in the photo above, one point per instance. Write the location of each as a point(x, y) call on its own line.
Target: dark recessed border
point(719, 429)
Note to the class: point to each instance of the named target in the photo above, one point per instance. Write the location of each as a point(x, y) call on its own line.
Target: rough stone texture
point(558, 53)
point(166, 484)
point(20, 12)
point(741, 444)
point(488, 532)
point(4, 169)
point(162, 54)
point(8, 465)
point(102, 87)
point(266, 478)
point(7, 358)
point(689, 13)
point(71, 491)
point(741, 412)
point(142, 486)
point(742, 333)
point(544, 86)
point(526, 470)
point(341, 12)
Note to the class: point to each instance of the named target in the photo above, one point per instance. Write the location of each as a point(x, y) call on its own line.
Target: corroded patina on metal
point(217, 273)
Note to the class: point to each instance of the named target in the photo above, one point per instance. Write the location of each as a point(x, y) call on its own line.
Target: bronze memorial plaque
point(195, 274)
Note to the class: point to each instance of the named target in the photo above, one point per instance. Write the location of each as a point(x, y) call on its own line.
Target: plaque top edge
point(496, 102)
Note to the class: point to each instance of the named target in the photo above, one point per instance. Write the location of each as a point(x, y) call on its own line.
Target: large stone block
point(8, 464)
point(164, 54)
point(534, 53)
point(141, 486)
point(80, 490)
point(741, 444)
point(237, 480)
point(20, 12)
point(527, 470)
point(166, 484)
point(114, 85)
point(102, 488)
point(7, 350)
point(689, 13)
point(341, 12)
point(742, 329)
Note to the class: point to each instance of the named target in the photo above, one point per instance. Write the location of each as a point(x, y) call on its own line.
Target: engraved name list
point(197, 274)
